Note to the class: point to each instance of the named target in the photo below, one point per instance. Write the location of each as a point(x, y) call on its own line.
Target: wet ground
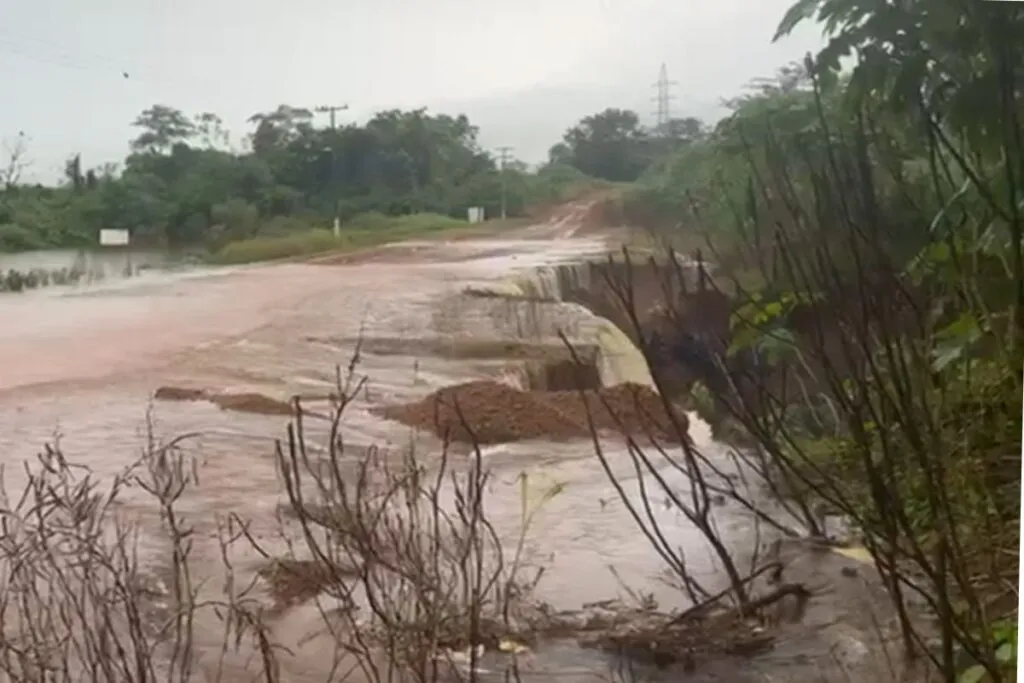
point(84, 363)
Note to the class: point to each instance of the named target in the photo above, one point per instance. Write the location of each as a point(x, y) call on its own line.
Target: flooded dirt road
point(84, 364)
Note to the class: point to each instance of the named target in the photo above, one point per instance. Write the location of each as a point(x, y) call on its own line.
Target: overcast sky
point(523, 70)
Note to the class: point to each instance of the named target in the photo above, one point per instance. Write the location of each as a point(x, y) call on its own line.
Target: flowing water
point(83, 364)
point(111, 262)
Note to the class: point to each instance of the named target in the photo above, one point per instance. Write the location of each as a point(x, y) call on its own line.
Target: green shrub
point(287, 237)
point(279, 226)
point(371, 220)
point(269, 247)
point(417, 223)
point(16, 238)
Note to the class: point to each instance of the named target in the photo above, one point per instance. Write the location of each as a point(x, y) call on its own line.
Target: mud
point(486, 412)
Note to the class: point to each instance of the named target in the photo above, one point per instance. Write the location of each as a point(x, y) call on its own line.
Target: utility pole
point(504, 154)
point(662, 116)
point(332, 110)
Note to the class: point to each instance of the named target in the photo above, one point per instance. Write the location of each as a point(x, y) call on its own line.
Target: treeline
point(688, 163)
point(613, 145)
point(185, 183)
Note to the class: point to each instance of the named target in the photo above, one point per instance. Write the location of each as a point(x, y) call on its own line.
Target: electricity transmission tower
point(332, 110)
point(504, 155)
point(663, 99)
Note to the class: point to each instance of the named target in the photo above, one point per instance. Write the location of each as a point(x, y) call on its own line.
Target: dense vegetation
point(185, 184)
point(869, 223)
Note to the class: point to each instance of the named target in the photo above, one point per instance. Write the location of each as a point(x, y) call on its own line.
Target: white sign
point(113, 238)
point(475, 214)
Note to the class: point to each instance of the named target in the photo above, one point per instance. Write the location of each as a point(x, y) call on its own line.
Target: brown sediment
point(486, 412)
point(631, 409)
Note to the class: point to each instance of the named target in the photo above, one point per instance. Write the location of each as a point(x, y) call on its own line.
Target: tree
point(16, 164)
point(277, 128)
point(686, 129)
point(183, 184)
point(609, 145)
point(210, 130)
point(73, 172)
point(942, 57)
point(162, 128)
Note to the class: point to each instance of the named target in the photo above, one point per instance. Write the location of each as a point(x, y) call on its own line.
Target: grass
point(365, 230)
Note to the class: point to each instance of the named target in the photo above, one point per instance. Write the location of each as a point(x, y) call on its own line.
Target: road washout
point(566, 407)
point(410, 302)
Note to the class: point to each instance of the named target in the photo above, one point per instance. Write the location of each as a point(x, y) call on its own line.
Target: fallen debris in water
point(295, 581)
point(661, 640)
point(251, 403)
point(179, 394)
point(244, 402)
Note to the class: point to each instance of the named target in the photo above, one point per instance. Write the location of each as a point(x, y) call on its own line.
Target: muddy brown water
point(83, 365)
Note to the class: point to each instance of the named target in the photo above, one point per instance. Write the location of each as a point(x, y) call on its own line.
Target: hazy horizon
point(523, 72)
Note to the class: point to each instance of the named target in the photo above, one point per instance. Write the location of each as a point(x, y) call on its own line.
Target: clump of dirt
point(631, 409)
point(486, 412)
point(239, 402)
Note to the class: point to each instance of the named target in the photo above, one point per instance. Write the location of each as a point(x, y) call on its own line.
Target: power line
point(664, 98)
point(504, 155)
point(54, 54)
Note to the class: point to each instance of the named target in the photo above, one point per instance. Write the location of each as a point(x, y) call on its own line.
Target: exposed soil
point(588, 214)
point(630, 409)
point(487, 412)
